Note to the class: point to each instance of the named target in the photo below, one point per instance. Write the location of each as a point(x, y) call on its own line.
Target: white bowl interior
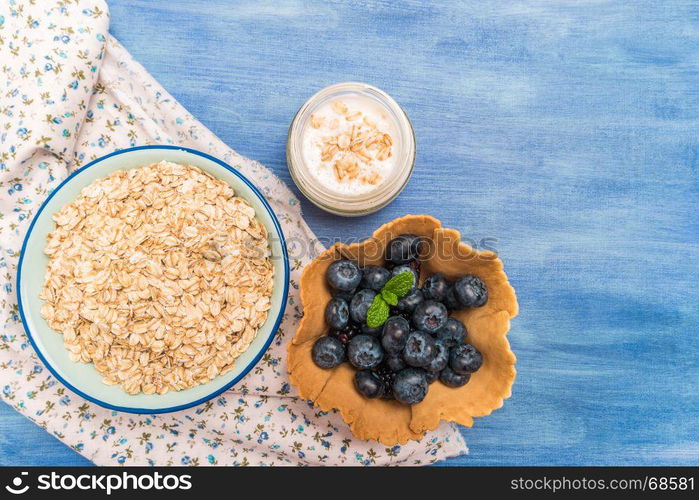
point(84, 378)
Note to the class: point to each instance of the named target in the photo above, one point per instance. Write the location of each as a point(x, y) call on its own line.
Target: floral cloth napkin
point(72, 93)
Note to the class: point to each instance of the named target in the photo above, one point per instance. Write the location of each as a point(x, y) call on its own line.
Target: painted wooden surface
point(565, 129)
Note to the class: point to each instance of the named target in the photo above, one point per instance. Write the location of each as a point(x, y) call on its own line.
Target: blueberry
point(360, 304)
point(344, 275)
point(465, 359)
point(470, 291)
point(337, 313)
point(376, 332)
point(452, 379)
point(450, 299)
point(395, 334)
point(409, 302)
point(328, 352)
point(441, 359)
point(394, 362)
point(368, 384)
point(430, 316)
point(374, 277)
point(431, 377)
point(452, 333)
point(404, 248)
point(401, 269)
point(435, 287)
point(410, 386)
point(387, 376)
point(364, 352)
point(419, 349)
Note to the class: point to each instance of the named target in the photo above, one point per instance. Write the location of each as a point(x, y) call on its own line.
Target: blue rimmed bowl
point(84, 379)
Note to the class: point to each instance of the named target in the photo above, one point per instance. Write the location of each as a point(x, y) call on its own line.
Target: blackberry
point(394, 311)
point(352, 329)
point(339, 335)
point(346, 334)
point(415, 265)
point(386, 375)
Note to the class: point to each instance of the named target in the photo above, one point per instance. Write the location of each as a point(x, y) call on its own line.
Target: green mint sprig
point(394, 289)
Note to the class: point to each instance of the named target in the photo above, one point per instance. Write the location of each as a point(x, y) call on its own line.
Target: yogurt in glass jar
point(351, 149)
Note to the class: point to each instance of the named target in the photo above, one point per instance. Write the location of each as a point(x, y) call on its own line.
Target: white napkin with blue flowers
point(72, 93)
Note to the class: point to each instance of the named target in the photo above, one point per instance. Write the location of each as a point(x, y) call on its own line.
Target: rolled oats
point(160, 276)
point(353, 152)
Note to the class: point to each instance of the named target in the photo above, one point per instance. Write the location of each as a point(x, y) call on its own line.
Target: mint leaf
point(400, 284)
point(377, 313)
point(396, 288)
point(390, 297)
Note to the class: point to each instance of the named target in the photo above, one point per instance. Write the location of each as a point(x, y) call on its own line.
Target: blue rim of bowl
point(250, 365)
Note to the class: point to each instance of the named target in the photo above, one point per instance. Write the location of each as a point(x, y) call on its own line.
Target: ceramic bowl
point(84, 379)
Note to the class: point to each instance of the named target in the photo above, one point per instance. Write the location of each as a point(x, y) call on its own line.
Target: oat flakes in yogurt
point(350, 149)
point(348, 145)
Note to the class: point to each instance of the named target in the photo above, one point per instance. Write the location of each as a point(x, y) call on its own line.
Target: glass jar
point(332, 199)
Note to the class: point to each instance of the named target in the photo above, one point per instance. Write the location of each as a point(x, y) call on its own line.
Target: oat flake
point(159, 275)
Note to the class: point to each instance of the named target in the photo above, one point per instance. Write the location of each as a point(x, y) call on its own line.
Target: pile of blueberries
point(418, 344)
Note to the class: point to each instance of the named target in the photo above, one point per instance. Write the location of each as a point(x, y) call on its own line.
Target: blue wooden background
point(565, 129)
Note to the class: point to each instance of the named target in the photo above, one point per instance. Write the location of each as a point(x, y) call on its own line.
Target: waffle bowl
point(388, 421)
